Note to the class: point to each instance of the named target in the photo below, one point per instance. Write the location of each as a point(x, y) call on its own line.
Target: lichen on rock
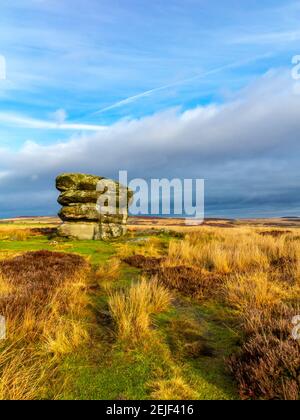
point(94, 207)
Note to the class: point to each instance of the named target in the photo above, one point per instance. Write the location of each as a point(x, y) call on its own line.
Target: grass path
point(108, 370)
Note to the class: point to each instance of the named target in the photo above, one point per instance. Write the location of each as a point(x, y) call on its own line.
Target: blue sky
point(109, 73)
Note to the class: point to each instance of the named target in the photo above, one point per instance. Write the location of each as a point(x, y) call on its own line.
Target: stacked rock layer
point(93, 207)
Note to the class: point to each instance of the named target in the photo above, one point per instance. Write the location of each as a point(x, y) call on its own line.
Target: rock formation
point(93, 207)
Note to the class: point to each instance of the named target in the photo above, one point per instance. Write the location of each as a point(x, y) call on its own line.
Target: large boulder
point(86, 231)
point(93, 207)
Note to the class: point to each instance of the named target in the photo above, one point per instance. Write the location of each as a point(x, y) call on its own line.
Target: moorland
point(166, 312)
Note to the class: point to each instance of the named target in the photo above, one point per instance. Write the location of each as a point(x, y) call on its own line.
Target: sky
point(162, 89)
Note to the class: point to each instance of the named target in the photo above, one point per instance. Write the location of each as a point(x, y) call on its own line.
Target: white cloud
point(246, 149)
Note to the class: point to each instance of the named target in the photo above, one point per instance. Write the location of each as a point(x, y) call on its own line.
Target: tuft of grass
point(108, 273)
point(5, 287)
point(65, 338)
point(132, 309)
point(254, 293)
point(172, 389)
point(147, 247)
point(24, 373)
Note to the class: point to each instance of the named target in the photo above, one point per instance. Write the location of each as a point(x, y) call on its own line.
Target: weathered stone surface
point(65, 182)
point(122, 199)
point(112, 230)
point(82, 182)
point(116, 218)
point(76, 196)
point(75, 212)
point(92, 210)
point(72, 197)
point(80, 231)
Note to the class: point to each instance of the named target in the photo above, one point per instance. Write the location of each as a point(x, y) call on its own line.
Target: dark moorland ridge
point(163, 222)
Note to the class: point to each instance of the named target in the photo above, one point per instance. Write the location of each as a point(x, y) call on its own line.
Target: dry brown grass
point(24, 373)
point(148, 247)
point(108, 273)
point(204, 261)
point(132, 309)
point(5, 287)
point(190, 280)
point(256, 272)
point(9, 234)
point(148, 264)
point(261, 278)
point(254, 293)
point(172, 389)
point(65, 337)
point(268, 365)
point(237, 250)
point(42, 296)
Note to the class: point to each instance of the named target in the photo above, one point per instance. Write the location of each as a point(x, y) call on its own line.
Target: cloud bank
point(246, 149)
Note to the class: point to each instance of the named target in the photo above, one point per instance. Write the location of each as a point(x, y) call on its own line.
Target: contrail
point(178, 83)
point(27, 122)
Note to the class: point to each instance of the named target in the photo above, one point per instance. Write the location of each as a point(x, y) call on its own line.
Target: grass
point(14, 234)
point(96, 252)
point(172, 389)
point(132, 309)
point(254, 293)
point(157, 314)
point(108, 273)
